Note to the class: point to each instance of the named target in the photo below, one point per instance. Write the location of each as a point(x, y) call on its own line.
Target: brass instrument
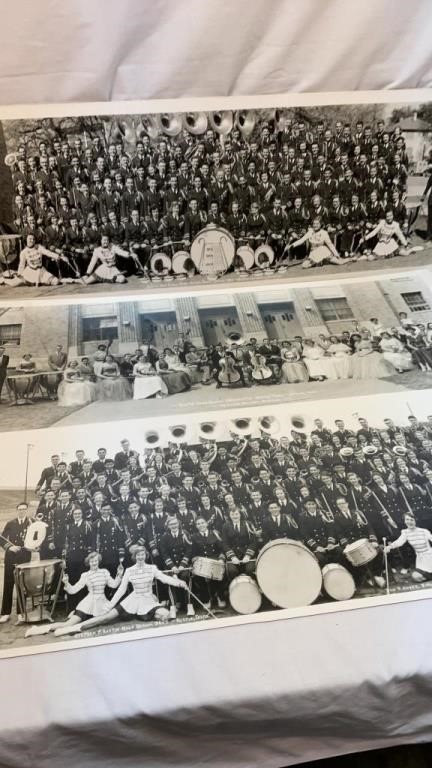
point(152, 438)
point(178, 431)
point(221, 122)
point(148, 126)
point(241, 426)
point(269, 424)
point(10, 159)
point(169, 123)
point(245, 121)
point(195, 123)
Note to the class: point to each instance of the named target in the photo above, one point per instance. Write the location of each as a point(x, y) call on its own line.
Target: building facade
point(209, 319)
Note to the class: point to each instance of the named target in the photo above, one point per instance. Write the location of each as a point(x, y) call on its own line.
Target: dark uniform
point(15, 531)
point(109, 541)
point(238, 541)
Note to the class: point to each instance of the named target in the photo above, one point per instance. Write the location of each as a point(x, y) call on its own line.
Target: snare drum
point(264, 256)
point(338, 582)
point(182, 263)
point(212, 251)
point(208, 568)
point(244, 594)
point(160, 264)
point(360, 552)
point(288, 573)
point(246, 256)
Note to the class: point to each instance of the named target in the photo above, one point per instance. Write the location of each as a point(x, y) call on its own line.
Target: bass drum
point(288, 573)
point(245, 257)
point(264, 256)
point(338, 582)
point(244, 595)
point(182, 263)
point(212, 251)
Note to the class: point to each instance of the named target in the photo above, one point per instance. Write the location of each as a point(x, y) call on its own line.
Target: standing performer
point(140, 603)
point(12, 541)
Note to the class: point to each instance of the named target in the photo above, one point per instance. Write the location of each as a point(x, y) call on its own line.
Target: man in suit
point(176, 551)
point(239, 545)
point(4, 362)
point(276, 525)
point(12, 541)
point(47, 474)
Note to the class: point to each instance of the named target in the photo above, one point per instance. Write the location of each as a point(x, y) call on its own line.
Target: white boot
point(190, 611)
point(4, 618)
point(172, 612)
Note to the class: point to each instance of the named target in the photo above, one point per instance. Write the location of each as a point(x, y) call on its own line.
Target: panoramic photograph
point(147, 199)
point(154, 526)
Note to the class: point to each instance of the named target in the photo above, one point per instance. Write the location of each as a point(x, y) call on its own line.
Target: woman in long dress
point(390, 237)
point(86, 369)
point(175, 379)
point(95, 603)
point(74, 390)
point(321, 247)
point(147, 383)
point(368, 363)
point(197, 365)
point(395, 352)
point(24, 386)
point(110, 384)
point(293, 369)
point(140, 603)
point(341, 357)
point(318, 364)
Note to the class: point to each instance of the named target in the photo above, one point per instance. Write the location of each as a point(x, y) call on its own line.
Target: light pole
point(29, 447)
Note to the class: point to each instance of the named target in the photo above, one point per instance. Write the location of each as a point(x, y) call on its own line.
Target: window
point(415, 301)
point(334, 309)
point(99, 328)
point(10, 335)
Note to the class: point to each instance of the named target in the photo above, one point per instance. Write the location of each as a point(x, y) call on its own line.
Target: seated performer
point(30, 269)
point(139, 604)
point(420, 540)
point(103, 264)
point(95, 580)
point(322, 249)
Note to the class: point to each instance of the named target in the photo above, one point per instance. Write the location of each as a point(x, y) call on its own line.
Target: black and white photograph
point(95, 200)
point(156, 526)
point(68, 364)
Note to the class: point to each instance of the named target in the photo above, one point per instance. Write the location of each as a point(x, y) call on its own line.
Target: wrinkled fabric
point(140, 49)
point(267, 694)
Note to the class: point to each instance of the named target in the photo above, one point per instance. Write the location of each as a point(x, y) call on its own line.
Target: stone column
point(308, 313)
point(188, 320)
point(128, 326)
point(250, 317)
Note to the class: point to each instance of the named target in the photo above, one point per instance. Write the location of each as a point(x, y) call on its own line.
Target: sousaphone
point(148, 126)
point(269, 424)
point(245, 121)
point(169, 123)
point(195, 123)
point(221, 122)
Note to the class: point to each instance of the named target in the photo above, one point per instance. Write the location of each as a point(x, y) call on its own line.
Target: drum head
point(182, 263)
point(212, 251)
point(288, 574)
point(264, 256)
point(160, 263)
point(338, 582)
point(244, 595)
point(246, 255)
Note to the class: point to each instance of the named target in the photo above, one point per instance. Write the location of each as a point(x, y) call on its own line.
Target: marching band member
point(12, 541)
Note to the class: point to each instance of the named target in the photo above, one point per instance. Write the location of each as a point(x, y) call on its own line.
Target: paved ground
point(297, 273)
point(45, 414)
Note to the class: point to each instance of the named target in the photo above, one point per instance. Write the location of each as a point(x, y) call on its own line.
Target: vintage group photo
point(155, 525)
point(67, 364)
point(146, 199)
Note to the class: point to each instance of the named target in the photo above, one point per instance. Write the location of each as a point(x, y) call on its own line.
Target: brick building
point(277, 314)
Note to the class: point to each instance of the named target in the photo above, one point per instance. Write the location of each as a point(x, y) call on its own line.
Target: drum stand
point(44, 609)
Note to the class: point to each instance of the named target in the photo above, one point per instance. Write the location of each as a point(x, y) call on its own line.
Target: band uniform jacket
point(154, 528)
point(122, 457)
point(15, 531)
point(47, 475)
point(207, 545)
point(134, 527)
point(78, 541)
point(238, 541)
point(187, 521)
point(57, 523)
point(316, 532)
point(121, 505)
point(352, 528)
point(280, 527)
point(176, 550)
point(109, 539)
